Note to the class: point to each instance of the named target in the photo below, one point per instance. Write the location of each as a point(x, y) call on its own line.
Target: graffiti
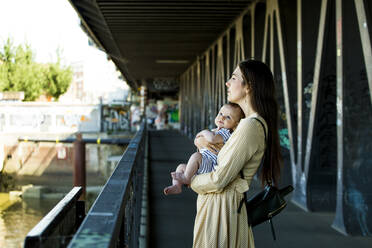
point(68, 120)
point(308, 90)
point(27, 119)
point(71, 120)
point(115, 119)
point(357, 176)
point(284, 140)
point(38, 120)
point(63, 118)
point(165, 83)
point(31, 117)
point(354, 198)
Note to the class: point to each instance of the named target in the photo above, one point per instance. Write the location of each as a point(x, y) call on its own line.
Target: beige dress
point(217, 222)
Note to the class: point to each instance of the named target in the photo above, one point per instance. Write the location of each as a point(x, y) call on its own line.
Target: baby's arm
point(211, 137)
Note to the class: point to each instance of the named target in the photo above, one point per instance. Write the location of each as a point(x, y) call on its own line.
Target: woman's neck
point(247, 108)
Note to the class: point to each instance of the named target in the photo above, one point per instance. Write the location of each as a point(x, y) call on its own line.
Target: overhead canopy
point(154, 42)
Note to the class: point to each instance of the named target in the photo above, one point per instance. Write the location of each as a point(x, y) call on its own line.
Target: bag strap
point(241, 172)
point(263, 157)
point(263, 126)
point(244, 200)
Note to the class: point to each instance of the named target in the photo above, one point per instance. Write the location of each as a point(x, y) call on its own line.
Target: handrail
point(121, 141)
point(114, 218)
point(53, 229)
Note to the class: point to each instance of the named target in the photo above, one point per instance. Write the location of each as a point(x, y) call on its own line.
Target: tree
point(20, 72)
point(58, 79)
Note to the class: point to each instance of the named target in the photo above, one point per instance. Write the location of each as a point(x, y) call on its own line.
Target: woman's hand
point(201, 142)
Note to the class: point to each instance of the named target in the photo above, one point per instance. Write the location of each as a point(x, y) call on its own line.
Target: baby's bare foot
point(173, 190)
point(180, 177)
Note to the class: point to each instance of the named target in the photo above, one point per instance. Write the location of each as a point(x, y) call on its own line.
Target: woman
point(218, 223)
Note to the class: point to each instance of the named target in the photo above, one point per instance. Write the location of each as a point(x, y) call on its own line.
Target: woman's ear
point(247, 90)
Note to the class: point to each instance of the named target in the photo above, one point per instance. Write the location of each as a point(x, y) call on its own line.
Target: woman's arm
point(239, 149)
point(201, 142)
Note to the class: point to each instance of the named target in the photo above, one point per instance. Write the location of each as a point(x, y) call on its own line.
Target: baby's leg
point(191, 168)
point(176, 187)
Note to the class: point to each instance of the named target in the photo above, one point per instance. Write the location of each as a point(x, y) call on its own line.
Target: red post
point(79, 164)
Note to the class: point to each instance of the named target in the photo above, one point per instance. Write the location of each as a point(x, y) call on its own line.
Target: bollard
point(79, 164)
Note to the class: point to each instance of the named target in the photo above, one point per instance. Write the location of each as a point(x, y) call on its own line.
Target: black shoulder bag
point(266, 204)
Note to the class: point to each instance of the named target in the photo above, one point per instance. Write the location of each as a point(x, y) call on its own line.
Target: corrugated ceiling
point(149, 40)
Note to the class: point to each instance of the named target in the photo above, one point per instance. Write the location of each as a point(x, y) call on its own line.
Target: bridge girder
point(320, 54)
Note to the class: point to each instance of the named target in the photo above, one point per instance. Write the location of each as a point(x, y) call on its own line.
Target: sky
point(48, 25)
point(45, 25)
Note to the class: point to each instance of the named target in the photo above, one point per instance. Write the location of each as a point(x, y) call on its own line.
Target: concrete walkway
point(296, 228)
point(172, 217)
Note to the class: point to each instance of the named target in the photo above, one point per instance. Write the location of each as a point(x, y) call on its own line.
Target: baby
point(204, 161)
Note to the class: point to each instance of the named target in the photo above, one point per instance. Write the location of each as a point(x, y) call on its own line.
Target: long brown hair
point(259, 79)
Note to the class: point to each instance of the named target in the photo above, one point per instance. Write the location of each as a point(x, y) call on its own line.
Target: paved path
point(296, 228)
point(172, 217)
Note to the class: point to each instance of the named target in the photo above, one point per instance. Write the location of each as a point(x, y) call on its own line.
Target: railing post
point(79, 164)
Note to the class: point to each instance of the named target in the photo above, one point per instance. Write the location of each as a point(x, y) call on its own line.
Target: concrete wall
point(33, 117)
point(45, 163)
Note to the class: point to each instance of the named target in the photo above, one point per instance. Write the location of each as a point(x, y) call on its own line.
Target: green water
point(19, 218)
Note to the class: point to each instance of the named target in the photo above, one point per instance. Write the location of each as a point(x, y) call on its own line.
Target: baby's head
point(229, 116)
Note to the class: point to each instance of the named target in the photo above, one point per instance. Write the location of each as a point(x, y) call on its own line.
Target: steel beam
point(252, 12)
point(314, 98)
point(339, 220)
point(299, 92)
point(316, 122)
point(366, 41)
point(207, 81)
point(239, 42)
point(220, 77)
point(214, 85)
point(285, 83)
point(267, 17)
point(228, 55)
point(354, 118)
point(199, 95)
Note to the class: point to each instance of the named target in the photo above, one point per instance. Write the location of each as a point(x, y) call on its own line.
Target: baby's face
point(228, 118)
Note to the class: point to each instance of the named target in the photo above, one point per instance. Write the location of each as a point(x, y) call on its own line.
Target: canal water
point(18, 217)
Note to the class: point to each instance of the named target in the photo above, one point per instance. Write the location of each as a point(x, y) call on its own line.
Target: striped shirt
point(209, 159)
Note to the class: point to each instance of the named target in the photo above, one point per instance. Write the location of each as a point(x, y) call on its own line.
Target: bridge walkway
point(172, 217)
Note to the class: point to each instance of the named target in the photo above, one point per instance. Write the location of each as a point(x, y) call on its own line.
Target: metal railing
point(58, 226)
point(111, 141)
point(114, 220)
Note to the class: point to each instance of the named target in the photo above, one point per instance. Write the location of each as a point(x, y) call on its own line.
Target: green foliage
point(58, 80)
point(7, 182)
point(20, 72)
